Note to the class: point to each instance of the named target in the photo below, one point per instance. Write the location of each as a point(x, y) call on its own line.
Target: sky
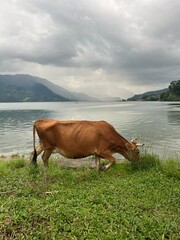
point(100, 47)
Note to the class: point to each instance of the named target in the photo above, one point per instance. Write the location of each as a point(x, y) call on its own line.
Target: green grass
point(128, 201)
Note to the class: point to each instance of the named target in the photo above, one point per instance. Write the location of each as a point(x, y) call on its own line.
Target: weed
point(148, 161)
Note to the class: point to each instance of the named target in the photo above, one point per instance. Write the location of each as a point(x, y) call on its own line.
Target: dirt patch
point(88, 162)
point(75, 163)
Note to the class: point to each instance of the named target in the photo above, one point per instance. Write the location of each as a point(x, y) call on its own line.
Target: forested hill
point(36, 93)
point(148, 96)
point(12, 91)
point(172, 93)
point(26, 88)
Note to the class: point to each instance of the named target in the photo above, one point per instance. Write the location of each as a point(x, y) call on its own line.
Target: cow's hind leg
point(108, 156)
point(45, 157)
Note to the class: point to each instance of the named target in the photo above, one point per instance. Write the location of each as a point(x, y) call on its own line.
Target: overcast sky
point(100, 47)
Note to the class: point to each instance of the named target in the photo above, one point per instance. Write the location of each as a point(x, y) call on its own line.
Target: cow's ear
point(128, 146)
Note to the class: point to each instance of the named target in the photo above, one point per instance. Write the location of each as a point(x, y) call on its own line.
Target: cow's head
point(132, 151)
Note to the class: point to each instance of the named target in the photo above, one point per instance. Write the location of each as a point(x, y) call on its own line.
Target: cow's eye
point(137, 150)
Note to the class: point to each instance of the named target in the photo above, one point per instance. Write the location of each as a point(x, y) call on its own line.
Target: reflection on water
point(174, 117)
point(177, 104)
point(156, 124)
point(174, 114)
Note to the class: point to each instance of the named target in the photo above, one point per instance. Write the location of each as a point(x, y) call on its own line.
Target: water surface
point(157, 124)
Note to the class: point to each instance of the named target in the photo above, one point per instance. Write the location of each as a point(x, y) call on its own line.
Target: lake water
point(157, 124)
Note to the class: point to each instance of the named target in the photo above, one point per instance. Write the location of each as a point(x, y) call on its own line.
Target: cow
point(81, 138)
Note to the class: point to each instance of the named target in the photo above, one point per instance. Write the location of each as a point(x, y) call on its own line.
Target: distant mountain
point(72, 96)
point(111, 99)
point(26, 88)
point(148, 96)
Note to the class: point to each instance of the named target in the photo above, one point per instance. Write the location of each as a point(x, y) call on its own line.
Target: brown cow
point(79, 139)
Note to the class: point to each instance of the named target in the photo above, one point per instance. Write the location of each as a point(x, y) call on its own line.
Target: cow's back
point(82, 134)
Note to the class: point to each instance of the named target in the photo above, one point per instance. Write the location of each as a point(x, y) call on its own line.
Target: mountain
point(26, 88)
point(148, 96)
point(72, 96)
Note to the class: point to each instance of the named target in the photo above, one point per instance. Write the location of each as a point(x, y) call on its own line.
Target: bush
point(148, 161)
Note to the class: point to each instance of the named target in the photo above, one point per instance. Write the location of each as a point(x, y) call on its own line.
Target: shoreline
point(62, 161)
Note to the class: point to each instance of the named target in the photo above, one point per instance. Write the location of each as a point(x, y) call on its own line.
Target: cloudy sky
point(100, 47)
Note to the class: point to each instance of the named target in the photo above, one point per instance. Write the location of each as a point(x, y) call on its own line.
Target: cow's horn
point(140, 144)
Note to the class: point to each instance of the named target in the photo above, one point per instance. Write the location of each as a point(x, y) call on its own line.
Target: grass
point(129, 201)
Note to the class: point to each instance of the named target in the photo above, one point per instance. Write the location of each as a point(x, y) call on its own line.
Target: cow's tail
point(34, 158)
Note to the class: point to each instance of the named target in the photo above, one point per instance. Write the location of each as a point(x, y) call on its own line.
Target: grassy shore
point(128, 201)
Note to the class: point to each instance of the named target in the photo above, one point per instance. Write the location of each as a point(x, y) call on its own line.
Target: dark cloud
point(132, 43)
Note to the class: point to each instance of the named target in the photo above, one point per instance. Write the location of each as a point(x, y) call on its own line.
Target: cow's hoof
point(102, 168)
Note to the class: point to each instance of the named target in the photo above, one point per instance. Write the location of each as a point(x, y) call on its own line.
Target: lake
point(157, 124)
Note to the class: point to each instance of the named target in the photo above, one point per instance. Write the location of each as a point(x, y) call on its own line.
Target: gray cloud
point(125, 44)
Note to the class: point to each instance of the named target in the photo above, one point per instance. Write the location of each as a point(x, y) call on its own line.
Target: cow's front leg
point(97, 162)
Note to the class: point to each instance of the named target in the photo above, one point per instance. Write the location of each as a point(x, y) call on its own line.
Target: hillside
point(172, 93)
point(26, 88)
point(148, 96)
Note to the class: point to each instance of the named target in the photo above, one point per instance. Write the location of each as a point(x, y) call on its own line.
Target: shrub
point(148, 161)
